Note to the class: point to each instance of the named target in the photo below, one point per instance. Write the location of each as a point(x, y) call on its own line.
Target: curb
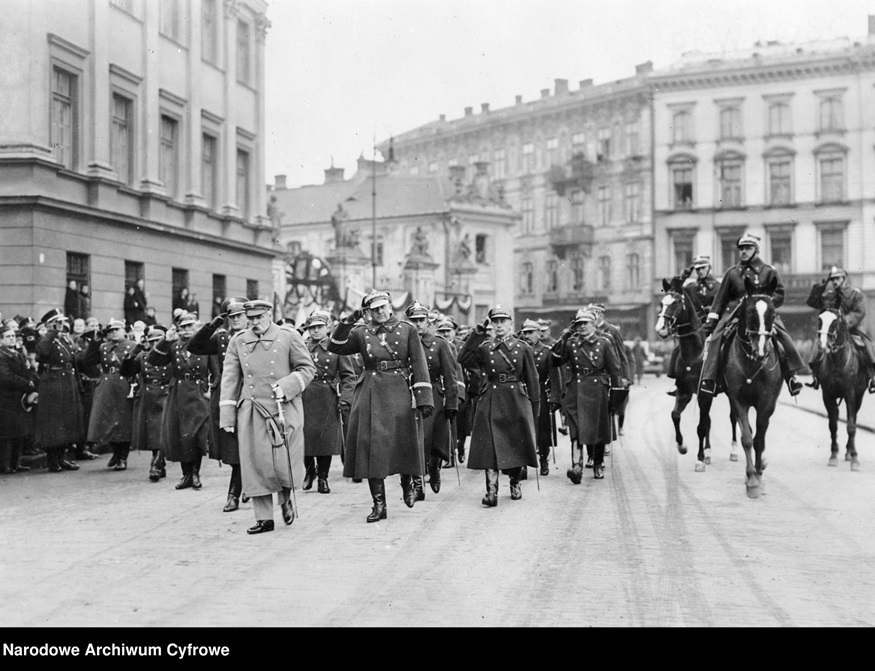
point(822, 413)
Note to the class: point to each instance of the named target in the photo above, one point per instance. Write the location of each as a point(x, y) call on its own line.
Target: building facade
point(132, 147)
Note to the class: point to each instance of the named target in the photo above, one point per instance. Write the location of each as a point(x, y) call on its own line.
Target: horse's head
point(829, 325)
point(672, 306)
point(758, 315)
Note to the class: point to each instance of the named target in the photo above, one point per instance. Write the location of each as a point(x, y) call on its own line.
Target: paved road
point(653, 544)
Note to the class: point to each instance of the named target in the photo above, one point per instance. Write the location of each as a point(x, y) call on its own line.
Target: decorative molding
point(212, 118)
point(69, 47)
point(125, 74)
point(246, 135)
point(232, 9)
point(262, 25)
point(172, 98)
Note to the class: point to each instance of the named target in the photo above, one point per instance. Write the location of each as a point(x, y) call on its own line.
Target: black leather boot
point(543, 458)
point(598, 455)
point(575, 473)
point(323, 464)
point(154, 472)
point(52, 462)
point(234, 489)
point(261, 526)
point(407, 488)
point(461, 451)
point(434, 468)
point(310, 473)
point(491, 498)
point(62, 460)
point(815, 374)
point(418, 489)
point(186, 481)
point(196, 473)
point(122, 450)
point(378, 494)
point(589, 461)
point(516, 491)
point(524, 473)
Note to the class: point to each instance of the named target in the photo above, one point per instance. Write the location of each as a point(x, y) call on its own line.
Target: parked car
point(653, 363)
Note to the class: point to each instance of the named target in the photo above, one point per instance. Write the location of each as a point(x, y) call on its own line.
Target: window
point(209, 167)
point(682, 187)
point(243, 53)
point(65, 112)
point(578, 143)
point(605, 273)
point(577, 273)
point(499, 164)
point(209, 31)
point(528, 163)
point(169, 166)
point(133, 273)
point(178, 280)
point(251, 290)
point(728, 248)
point(170, 22)
point(781, 246)
point(528, 212)
point(780, 170)
point(220, 288)
point(377, 251)
point(832, 247)
point(682, 126)
point(632, 201)
point(480, 248)
point(553, 151)
point(577, 206)
point(831, 113)
point(729, 174)
point(603, 150)
point(552, 276)
point(682, 245)
point(779, 119)
point(730, 123)
point(79, 269)
point(243, 183)
point(604, 205)
point(121, 140)
point(433, 166)
point(551, 210)
point(632, 148)
point(832, 177)
point(527, 278)
point(633, 272)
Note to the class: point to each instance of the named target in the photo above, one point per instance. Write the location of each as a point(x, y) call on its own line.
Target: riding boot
point(52, 461)
point(154, 473)
point(407, 489)
point(598, 465)
point(310, 474)
point(122, 450)
point(516, 491)
point(524, 473)
point(815, 374)
point(186, 481)
point(235, 486)
point(196, 472)
point(378, 494)
point(323, 464)
point(589, 461)
point(434, 468)
point(418, 488)
point(575, 473)
point(161, 464)
point(543, 458)
point(491, 498)
point(65, 464)
point(461, 450)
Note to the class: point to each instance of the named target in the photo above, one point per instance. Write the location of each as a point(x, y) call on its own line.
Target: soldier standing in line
point(151, 387)
point(441, 364)
point(59, 412)
point(185, 423)
point(212, 340)
point(325, 399)
point(549, 385)
point(391, 398)
point(448, 329)
point(267, 367)
point(594, 369)
point(503, 437)
point(474, 381)
point(112, 408)
point(612, 333)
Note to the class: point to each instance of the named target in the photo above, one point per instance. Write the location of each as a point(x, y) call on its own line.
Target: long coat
point(385, 430)
point(212, 340)
point(185, 423)
point(445, 391)
point(503, 436)
point(593, 368)
point(852, 304)
point(334, 382)
point(16, 380)
point(59, 419)
point(550, 391)
point(252, 365)
point(112, 407)
point(151, 389)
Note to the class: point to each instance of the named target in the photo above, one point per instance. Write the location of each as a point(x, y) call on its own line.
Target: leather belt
point(323, 378)
point(590, 372)
point(192, 378)
point(386, 365)
point(66, 366)
point(112, 369)
point(501, 377)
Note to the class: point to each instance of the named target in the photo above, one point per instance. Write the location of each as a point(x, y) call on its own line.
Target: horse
point(752, 375)
point(843, 377)
point(679, 317)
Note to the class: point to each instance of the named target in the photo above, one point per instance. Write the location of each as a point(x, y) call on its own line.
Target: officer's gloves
point(709, 326)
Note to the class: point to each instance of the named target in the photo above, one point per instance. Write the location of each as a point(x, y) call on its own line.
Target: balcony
point(570, 238)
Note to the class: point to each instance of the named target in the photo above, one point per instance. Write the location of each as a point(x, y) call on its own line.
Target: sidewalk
point(810, 400)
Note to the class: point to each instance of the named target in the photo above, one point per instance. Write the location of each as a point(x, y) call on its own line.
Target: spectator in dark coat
point(71, 300)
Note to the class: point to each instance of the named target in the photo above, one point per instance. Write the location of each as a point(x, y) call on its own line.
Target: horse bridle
point(832, 335)
point(750, 332)
point(671, 322)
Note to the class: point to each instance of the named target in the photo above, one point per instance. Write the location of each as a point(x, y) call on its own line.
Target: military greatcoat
point(445, 392)
point(334, 382)
point(185, 423)
point(151, 389)
point(503, 435)
point(252, 365)
point(550, 391)
point(385, 430)
point(113, 405)
point(852, 304)
point(16, 380)
point(59, 419)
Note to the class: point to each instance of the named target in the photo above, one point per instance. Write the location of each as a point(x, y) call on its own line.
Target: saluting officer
point(593, 369)
point(324, 401)
point(503, 437)
point(549, 388)
point(437, 436)
point(391, 397)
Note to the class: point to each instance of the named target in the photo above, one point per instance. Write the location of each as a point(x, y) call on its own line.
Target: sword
point(450, 442)
point(282, 421)
point(553, 439)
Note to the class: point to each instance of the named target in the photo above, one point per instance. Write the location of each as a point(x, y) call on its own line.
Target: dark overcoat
point(334, 382)
point(59, 418)
point(112, 407)
point(852, 304)
point(503, 435)
point(150, 394)
point(385, 429)
point(445, 392)
point(550, 391)
point(16, 380)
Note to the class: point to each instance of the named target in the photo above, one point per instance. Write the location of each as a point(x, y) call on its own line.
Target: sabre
point(553, 439)
point(282, 420)
point(450, 444)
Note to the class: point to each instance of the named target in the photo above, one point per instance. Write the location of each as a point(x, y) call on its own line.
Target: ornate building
point(576, 166)
point(131, 147)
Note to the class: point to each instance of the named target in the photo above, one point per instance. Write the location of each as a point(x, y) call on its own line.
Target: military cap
point(187, 318)
point(257, 307)
point(748, 239)
point(156, 332)
point(544, 324)
point(499, 312)
point(416, 310)
point(597, 308)
point(115, 324)
point(835, 271)
point(701, 261)
point(7, 327)
point(234, 305)
point(530, 325)
point(445, 325)
point(583, 315)
point(377, 298)
point(52, 315)
point(318, 318)
point(365, 299)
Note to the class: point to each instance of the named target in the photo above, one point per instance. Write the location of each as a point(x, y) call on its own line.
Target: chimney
point(484, 107)
point(519, 100)
point(561, 86)
point(443, 117)
point(469, 111)
point(279, 182)
point(545, 93)
point(644, 68)
point(872, 24)
point(584, 83)
point(333, 175)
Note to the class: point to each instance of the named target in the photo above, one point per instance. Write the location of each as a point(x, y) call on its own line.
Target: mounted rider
point(725, 307)
point(836, 291)
point(705, 287)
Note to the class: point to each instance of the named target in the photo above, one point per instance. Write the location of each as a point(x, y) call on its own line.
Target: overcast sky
point(340, 72)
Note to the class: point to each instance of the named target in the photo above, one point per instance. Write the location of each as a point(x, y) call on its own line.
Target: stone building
point(439, 239)
point(132, 147)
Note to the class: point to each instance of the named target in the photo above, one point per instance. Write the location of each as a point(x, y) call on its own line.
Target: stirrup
point(794, 386)
point(872, 385)
point(815, 384)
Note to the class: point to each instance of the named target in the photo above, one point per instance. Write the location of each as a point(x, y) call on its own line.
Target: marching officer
point(503, 437)
point(185, 424)
point(836, 291)
point(448, 329)
point(391, 398)
point(151, 388)
point(725, 306)
point(473, 380)
point(550, 389)
point(436, 429)
point(593, 369)
point(212, 340)
point(325, 399)
point(112, 406)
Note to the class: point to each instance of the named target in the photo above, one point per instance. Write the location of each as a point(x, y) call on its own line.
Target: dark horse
point(753, 376)
point(843, 377)
point(679, 316)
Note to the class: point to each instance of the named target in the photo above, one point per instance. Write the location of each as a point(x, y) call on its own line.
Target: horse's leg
point(759, 446)
point(680, 403)
point(704, 431)
point(751, 482)
point(733, 420)
point(832, 413)
point(852, 404)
